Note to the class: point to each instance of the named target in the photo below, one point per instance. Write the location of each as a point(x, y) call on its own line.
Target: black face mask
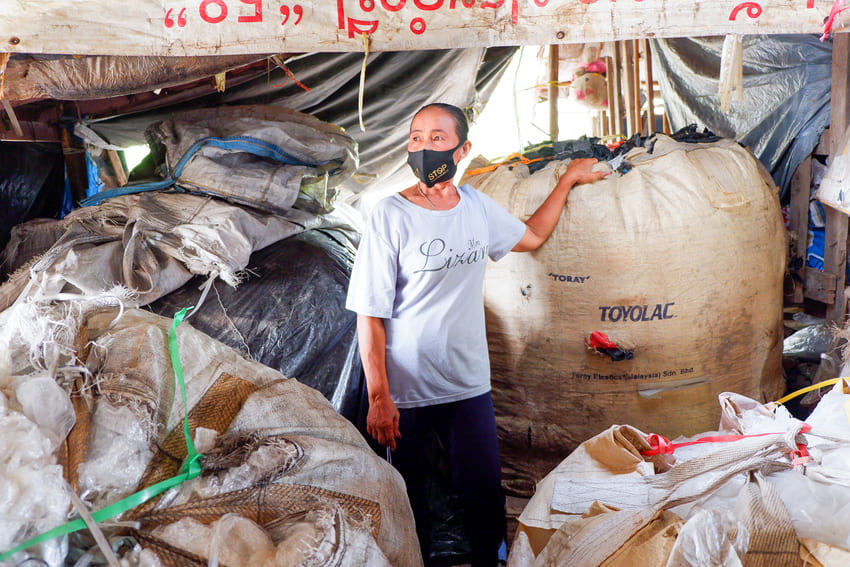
point(432, 166)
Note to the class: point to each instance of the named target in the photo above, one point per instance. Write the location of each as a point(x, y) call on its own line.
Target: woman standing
point(416, 287)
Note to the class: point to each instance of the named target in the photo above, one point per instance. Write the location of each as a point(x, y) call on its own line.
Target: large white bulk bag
point(681, 260)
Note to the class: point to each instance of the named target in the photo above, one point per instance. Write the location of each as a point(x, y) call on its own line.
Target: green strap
point(192, 465)
point(190, 470)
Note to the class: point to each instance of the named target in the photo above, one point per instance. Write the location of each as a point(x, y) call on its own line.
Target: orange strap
point(511, 159)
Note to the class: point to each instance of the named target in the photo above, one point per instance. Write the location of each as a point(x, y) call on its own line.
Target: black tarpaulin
point(397, 84)
point(787, 81)
point(32, 184)
point(289, 314)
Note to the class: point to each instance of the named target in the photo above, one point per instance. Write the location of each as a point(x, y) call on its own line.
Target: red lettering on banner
point(258, 11)
point(390, 8)
point(340, 15)
point(181, 18)
point(418, 25)
point(284, 11)
point(427, 8)
point(202, 9)
point(541, 3)
point(753, 10)
point(810, 3)
point(361, 27)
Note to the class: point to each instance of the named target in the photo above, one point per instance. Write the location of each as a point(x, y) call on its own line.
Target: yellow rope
point(807, 389)
point(367, 43)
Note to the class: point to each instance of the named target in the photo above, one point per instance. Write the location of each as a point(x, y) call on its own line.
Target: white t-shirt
point(422, 271)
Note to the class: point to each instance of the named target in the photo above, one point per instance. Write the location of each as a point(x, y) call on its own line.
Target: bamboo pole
point(609, 85)
point(650, 89)
point(639, 129)
point(628, 85)
point(553, 91)
point(616, 108)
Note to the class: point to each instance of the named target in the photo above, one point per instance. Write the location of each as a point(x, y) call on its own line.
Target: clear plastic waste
point(118, 455)
point(32, 489)
point(711, 538)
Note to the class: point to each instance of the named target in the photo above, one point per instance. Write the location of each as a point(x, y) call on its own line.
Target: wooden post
point(636, 86)
point(628, 83)
point(75, 165)
point(798, 219)
point(613, 112)
point(618, 107)
point(554, 63)
point(650, 89)
point(118, 167)
point(835, 245)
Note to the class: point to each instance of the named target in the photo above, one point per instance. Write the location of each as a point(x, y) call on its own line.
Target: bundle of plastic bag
point(764, 487)
point(277, 459)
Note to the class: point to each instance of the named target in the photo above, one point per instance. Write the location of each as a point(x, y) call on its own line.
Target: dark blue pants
point(467, 431)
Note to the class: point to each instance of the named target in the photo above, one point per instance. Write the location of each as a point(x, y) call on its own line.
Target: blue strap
point(241, 143)
point(127, 190)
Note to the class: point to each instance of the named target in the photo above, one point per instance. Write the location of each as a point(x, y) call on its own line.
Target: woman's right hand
point(382, 421)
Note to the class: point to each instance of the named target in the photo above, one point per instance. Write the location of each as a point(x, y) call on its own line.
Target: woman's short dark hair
point(461, 124)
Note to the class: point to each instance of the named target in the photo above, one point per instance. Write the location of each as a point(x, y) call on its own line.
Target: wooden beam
point(822, 149)
point(613, 130)
point(628, 83)
point(10, 112)
point(821, 286)
point(118, 167)
point(75, 165)
point(835, 245)
point(30, 132)
point(617, 107)
point(798, 218)
point(639, 129)
point(554, 64)
point(650, 89)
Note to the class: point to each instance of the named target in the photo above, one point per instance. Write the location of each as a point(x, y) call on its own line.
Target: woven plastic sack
point(679, 262)
point(263, 156)
point(610, 470)
point(151, 243)
point(289, 313)
point(280, 452)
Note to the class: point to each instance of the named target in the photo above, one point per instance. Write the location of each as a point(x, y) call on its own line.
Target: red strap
point(662, 446)
point(836, 9)
point(598, 339)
